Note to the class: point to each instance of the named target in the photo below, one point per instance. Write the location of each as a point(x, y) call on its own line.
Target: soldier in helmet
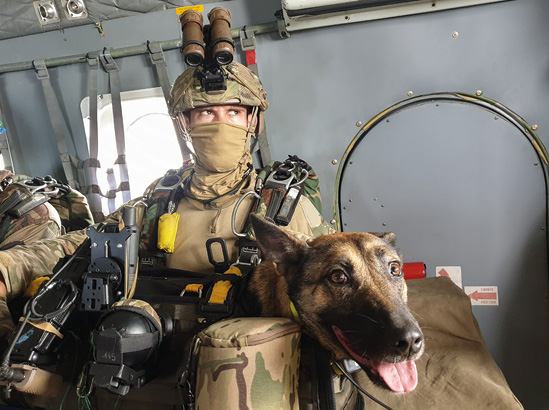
point(220, 126)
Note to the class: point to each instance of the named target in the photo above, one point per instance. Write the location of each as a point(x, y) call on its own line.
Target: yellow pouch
point(167, 230)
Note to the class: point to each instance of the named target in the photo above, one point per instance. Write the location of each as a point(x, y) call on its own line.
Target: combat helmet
point(243, 88)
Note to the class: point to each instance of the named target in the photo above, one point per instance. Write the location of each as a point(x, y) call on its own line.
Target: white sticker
point(453, 272)
point(483, 295)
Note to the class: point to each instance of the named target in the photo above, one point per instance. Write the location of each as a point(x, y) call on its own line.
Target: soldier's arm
point(20, 265)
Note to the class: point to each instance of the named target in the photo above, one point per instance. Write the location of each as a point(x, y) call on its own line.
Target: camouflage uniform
point(48, 220)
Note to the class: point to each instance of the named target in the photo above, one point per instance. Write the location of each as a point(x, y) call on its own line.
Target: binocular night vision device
point(212, 42)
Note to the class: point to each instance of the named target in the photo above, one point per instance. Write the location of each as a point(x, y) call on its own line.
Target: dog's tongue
point(399, 377)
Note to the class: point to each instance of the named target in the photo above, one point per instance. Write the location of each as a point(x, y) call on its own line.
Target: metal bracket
point(156, 52)
point(40, 69)
point(282, 30)
point(108, 62)
point(247, 39)
point(93, 60)
point(46, 12)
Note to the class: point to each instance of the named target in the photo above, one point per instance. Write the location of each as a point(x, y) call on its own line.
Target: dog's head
point(350, 294)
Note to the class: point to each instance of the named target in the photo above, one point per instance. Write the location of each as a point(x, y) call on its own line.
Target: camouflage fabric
point(243, 88)
point(74, 211)
point(249, 363)
point(20, 265)
point(6, 324)
point(39, 223)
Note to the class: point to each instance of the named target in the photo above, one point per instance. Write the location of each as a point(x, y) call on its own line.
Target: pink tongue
point(399, 377)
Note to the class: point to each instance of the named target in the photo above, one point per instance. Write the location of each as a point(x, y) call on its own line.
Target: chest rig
point(278, 188)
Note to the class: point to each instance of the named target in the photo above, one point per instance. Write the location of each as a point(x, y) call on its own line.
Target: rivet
point(383, 205)
point(334, 161)
point(350, 162)
point(384, 224)
point(536, 164)
point(119, 245)
point(344, 224)
point(333, 221)
point(344, 207)
point(375, 199)
point(455, 34)
point(496, 118)
point(535, 127)
point(478, 92)
point(543, 228)
point(359, 124)
point(410, 93)
point(350, 200)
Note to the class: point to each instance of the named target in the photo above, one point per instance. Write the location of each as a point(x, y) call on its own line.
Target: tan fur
point(302, 273)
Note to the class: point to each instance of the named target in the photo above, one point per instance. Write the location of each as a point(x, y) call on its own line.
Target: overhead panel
point(307, 14)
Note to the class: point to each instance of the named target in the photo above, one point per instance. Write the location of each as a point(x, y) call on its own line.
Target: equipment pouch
point(241, 359)
point(167, 229)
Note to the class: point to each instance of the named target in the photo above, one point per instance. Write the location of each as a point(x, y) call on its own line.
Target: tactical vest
point(279, 186)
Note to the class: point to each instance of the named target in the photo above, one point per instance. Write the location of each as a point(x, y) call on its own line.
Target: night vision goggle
point(210, 46)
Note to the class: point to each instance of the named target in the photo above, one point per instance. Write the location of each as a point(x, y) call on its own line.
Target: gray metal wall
point(321, 82)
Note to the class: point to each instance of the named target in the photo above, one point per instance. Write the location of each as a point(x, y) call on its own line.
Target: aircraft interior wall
point(323, 86)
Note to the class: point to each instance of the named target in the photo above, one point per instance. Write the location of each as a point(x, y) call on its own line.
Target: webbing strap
point(92, 189)
point(112, 69)
point(111, 195)
point(248, 44)
point(4, 144)
point(157, 58)
point(57, 121)
point(46, 327)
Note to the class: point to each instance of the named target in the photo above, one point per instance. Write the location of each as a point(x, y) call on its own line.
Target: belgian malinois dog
point(349, 292)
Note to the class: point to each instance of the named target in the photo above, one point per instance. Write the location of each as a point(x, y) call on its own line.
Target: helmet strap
point(253, 122)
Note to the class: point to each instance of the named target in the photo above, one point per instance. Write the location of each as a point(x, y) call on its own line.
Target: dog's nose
point(411, 342)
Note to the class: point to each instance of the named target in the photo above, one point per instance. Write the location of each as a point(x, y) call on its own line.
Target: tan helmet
point(243, 88)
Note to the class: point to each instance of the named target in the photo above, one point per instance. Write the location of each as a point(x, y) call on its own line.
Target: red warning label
point(483, 295)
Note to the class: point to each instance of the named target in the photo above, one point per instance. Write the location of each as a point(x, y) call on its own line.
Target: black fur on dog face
point(348, 289)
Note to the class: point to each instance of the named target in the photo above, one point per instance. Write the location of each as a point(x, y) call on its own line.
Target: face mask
point(219, 146)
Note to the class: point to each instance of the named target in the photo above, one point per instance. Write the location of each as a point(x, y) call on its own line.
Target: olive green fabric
point(456, 372)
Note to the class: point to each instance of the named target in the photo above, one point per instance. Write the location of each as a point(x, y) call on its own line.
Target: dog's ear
point(275, 243)
point(388, 236)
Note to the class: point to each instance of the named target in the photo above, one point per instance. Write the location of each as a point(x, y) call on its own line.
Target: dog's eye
point(395, 268)
point(339, 277)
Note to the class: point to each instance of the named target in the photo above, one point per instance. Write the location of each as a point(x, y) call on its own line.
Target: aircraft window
point(151, 141)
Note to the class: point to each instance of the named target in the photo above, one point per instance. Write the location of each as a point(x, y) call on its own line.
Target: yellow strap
point(45, 326)
point(194, 288)
point(220, 291)
point(234, 270)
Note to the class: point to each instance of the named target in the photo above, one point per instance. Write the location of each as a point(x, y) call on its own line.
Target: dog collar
point(295, 315)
